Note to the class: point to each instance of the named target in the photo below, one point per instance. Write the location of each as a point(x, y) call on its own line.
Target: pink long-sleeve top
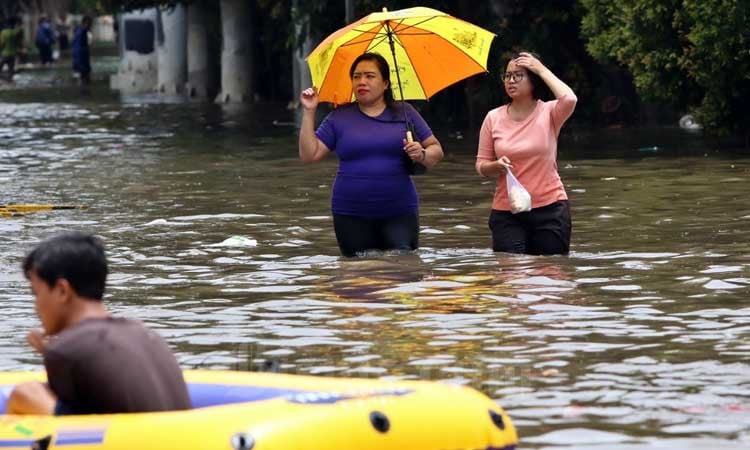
point(531, 146)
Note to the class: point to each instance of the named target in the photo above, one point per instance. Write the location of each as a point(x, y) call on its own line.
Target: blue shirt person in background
point(45, 38)
point(374, 202)
point(80, 47)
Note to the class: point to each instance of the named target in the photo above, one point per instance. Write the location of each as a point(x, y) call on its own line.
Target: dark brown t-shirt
point(113, 365)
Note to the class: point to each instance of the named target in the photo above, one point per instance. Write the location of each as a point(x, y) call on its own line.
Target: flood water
point(222, 240)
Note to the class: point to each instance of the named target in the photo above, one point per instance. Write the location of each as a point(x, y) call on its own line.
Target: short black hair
point(74, 256)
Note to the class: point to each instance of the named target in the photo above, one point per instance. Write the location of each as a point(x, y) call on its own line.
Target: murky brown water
point(222, 240)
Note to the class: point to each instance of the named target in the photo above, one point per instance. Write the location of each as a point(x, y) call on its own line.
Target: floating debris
point(237, 241)
point(20, 210)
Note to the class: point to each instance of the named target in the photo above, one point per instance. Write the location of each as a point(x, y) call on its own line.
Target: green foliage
point(129, 5)
point(691, 54)
point(85, 6)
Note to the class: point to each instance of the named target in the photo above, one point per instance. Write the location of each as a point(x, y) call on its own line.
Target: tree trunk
point(301, 78)
point(201, 80)
point(171, 52)
point(237, 54)
point(349, 8)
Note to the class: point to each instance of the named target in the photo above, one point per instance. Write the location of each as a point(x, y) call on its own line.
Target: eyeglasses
point(515, 76)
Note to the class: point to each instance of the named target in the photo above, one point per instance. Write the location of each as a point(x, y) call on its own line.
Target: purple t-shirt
point(372, 180)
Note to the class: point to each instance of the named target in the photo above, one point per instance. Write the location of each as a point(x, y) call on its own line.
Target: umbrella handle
point(409, 131)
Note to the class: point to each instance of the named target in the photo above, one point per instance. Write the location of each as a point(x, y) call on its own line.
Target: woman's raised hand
point(528, 62)
point(309, 98)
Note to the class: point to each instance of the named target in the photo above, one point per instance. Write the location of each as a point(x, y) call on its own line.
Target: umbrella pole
point(389, 33)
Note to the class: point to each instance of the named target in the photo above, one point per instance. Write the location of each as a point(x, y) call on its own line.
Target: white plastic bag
point(518, 196)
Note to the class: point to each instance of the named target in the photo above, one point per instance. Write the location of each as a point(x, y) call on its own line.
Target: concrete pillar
point(201, 80)
point(237, 52)
point(171, 50)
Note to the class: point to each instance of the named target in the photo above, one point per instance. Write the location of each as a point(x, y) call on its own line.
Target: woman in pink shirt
point(522, 136)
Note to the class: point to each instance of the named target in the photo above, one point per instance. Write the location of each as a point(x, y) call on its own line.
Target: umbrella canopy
point(426, 49)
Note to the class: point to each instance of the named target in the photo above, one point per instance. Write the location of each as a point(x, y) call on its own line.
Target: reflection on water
point(220, 239)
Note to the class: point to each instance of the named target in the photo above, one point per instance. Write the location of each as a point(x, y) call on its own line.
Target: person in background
point(63, 40)
point(80, 47)
point(95, 363)
point(374, 202)
point(522, 136)
point(11, 45)
point(45, 39)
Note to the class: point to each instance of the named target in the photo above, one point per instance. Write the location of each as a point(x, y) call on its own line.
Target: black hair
point(76, 257)
point(539, 88)
point(86, 19)
point(384, 69)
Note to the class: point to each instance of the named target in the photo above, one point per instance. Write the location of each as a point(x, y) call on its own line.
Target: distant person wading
point(45, 39)
point(80, 47)
point(11, 44)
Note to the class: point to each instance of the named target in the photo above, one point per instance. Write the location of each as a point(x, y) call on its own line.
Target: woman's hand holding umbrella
point(415, 151)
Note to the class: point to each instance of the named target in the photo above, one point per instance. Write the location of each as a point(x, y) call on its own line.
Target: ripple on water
point(579, 436)
point(721, 285)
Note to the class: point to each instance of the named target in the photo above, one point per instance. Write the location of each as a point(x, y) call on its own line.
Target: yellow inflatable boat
point(262, 411)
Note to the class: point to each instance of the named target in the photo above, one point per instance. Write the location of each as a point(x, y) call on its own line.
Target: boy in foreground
point(95, 363)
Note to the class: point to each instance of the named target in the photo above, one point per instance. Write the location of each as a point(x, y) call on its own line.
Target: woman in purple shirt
point(374, 202)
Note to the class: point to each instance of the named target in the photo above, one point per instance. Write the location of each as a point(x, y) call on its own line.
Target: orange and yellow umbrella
point(427, 50)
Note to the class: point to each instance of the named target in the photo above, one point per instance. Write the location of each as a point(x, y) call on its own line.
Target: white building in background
point(153, 52)
point(138, 59)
